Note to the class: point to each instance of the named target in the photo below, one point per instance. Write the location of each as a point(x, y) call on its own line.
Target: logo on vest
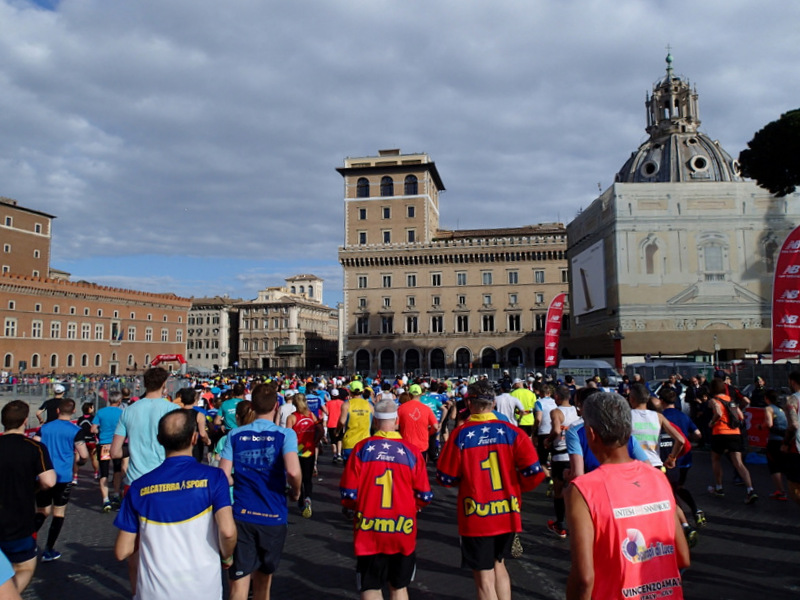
point(636, 550)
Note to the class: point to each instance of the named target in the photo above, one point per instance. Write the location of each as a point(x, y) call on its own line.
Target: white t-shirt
point(506, 403)
point(286, 409)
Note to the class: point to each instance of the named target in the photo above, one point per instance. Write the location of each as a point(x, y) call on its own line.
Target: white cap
point(334, 392)
point(59, 389)
point(289, 393)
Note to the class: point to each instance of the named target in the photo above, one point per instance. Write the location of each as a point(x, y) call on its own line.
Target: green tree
point(772, 157)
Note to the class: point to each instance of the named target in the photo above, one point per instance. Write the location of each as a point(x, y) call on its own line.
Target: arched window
point(84, 360)
point(362, 360)
point(488, 358)
point(650, 257)
point(53, 361)
point(98, 360)
point(387, 361)
point(35, 361)
point(387, 186)
point(411, 185)
point(437, 359)
point(311, 291)
point(515, 357)
point(463, 358)
point(412, 360)
point(362, 188)
point(70, 360)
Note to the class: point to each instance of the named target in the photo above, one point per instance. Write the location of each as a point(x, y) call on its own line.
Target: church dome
point(676, 150)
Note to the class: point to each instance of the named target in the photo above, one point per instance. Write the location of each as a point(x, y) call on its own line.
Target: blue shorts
point(19, 551)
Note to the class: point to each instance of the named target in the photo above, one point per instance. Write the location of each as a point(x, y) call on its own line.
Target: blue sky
point(190, 146)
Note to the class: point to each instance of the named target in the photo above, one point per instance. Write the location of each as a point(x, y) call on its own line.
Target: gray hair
point(609, 416)
point(385, 406)
point(115, 397)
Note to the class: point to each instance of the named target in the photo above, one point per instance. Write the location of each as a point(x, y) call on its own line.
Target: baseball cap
point(415, 390)
point(59, 389)
point(334, 392)
point(289, 393)
point(517, 380)
point(356, 386)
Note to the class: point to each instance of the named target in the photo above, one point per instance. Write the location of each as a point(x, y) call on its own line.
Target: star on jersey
point(386, 445)
point(401, 452)
point(485, 429)
point(471, 434)
point(370, 448)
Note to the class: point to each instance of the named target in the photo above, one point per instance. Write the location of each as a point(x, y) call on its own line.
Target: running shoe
point(556, 529)
point(75, 480)
point(116, 502)
point(50, 555)
point(691, 535)
point(306, 508)
point(751, 497)
point(700, 518)
point(718, 492)
point(106, 507)
point(778, 495)
point(96, 475)
point(516, 547)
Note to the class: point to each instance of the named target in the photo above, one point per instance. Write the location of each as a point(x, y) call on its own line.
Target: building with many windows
point(212, 341)
point(25, 236)
point(58, 326)
point(289, 328)
point(678, 255)
point(421, 298)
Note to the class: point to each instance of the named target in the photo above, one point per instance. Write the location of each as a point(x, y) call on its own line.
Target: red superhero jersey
point(385, 482)
point(492, 462)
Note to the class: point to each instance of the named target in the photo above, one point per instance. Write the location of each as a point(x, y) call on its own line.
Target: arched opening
point(515, 357)
point(488, 358)
point(463, 358)
point(411, 185)
point(412, 360)
point(387, 361)
point(387, 186)
point(437, 359)
point(362, 361)
point(362, 188)
point(650, 257)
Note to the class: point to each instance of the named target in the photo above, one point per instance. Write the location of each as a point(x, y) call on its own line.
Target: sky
point(190, 146)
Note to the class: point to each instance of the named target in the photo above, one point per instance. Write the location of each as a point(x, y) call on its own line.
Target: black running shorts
point(481, 553)
point(373, 571)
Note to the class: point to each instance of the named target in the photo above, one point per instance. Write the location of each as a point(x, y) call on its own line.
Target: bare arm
point(226, 529)
point(293, 474)
point(83, 453)
point(682, 546)
point(125, 544)
point(201, 429)
point(291, 420)
point(343, 416)
point(47, 479)
point(116, 446)
point(580, 582)
point(227, 468)
point(557, 418)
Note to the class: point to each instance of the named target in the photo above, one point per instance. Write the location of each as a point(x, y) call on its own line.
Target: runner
point(89, 438)
point(416, 421)
point(264, 457)
point(334, 407)
point(49, 409)
point(179, 514)
point(104, 424)
point(386, 484)
point(726, 437)
point(355, 420)
point(309, 431)
point(491, 462)
point(775, 420)
point(632, 505)
point(25, 466)
point(528, 399)
point(561, 418)
point(62, 440)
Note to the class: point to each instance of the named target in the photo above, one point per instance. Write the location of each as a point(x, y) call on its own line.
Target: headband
point(386, 415)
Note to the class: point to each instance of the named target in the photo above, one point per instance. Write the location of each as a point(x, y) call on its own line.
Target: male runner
point(385, 483)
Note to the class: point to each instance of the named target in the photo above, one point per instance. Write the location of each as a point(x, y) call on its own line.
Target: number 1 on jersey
point(385, 481)
point(493, 467)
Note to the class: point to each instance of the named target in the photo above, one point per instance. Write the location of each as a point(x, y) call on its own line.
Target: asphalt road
point(745, 552)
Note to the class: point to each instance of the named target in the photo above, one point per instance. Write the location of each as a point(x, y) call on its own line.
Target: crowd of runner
point(207, 473)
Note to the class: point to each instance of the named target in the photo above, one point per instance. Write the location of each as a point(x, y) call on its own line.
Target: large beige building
point(212, 342)
point(677, 256)
point(289, 328)
point(420, 298)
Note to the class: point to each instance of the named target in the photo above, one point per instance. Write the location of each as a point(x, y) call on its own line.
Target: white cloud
point(198, 129)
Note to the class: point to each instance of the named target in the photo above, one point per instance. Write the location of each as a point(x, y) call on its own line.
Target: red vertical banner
point(786, 299)
point(552, 332)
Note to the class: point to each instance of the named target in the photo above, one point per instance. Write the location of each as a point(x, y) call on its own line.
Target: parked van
point(582, 370)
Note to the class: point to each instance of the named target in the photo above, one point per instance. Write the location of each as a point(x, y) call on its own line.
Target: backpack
point(732, 414)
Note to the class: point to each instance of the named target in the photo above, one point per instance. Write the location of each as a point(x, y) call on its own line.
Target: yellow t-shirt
point(528, 399)
point(359, 421)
